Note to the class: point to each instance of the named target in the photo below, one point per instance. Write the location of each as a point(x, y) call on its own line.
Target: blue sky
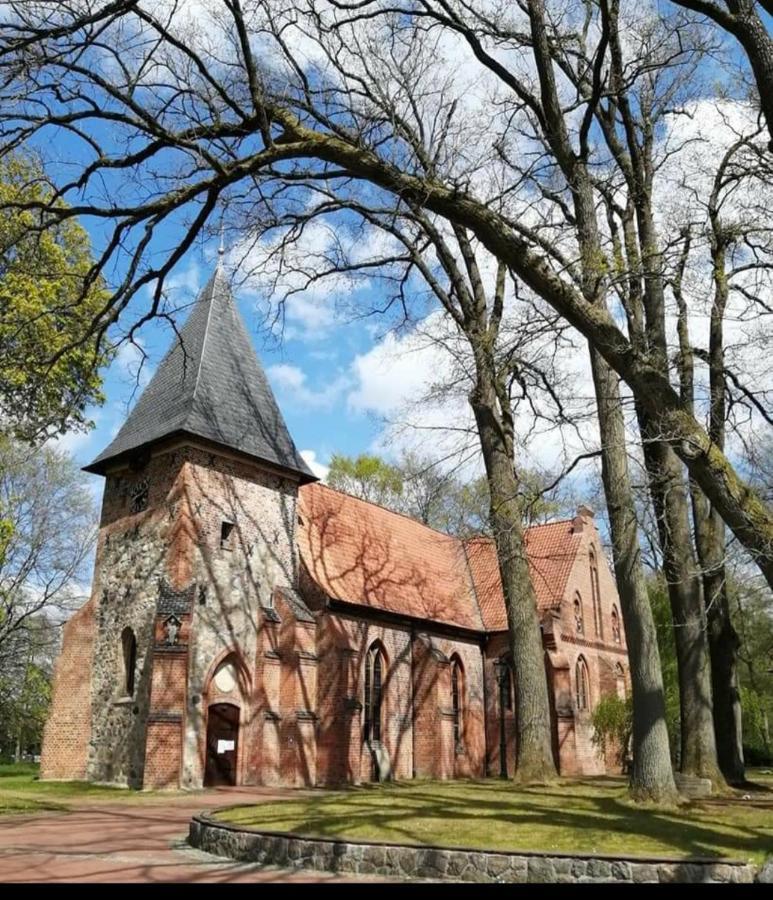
point(311, 367)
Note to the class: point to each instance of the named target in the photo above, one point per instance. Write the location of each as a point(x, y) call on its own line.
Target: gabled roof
point(210, 385)
point(363, 554)
point(366, 555)
point(551, 550)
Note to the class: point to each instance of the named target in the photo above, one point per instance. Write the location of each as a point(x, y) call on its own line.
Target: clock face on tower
point(138, 496)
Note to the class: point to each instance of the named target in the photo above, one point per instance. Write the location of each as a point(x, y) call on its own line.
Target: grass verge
point(581, 816)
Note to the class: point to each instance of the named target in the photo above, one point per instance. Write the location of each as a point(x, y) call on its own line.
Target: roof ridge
point(197, 379)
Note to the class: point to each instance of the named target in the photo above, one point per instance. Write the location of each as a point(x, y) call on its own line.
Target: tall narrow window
point(129, 646)
point(620, 681)
point(594, 584)
point(508, 687)
point(579, 623)
point(456, 700)
point(615, 625)
point(582, 685)
point(374, 673)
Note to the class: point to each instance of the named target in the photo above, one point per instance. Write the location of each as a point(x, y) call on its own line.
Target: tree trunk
point(651, 776)
point(710, 540)
point(698, 745)
point(534, 755)
point(723, 640)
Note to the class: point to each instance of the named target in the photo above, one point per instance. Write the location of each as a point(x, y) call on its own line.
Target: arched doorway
point(222, 744)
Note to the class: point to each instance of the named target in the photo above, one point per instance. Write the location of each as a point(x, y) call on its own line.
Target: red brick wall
point(343, 644)
point(68, 729)
point(163, 754)
point(497, 647)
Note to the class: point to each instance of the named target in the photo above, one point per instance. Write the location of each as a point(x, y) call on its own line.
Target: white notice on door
point(225, 746)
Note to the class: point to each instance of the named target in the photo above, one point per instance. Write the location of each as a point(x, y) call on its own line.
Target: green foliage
point(43, 563)
point(414, 485)
point(368, 477)
point(612, 722)
point(23, 708)
point(43, 313)
point(756, 728)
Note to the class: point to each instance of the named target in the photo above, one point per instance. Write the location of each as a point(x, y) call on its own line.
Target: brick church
point(249, 625)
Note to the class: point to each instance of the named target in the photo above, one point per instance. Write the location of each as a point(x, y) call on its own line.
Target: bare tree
point(736, 244)
point(49, 529)
point(742, 19)
point(196, 116)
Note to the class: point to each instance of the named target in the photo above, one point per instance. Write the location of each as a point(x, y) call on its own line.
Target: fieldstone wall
point(399, 861)
point(131, 559)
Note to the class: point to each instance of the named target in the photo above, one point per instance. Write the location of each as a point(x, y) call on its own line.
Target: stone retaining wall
point(400, 861)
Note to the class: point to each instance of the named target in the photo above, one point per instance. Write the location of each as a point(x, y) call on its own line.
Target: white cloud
point(291, 381)
point(318, 468)
point(393, 372)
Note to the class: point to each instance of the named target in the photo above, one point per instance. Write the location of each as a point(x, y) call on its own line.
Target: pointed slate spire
point(210, 385)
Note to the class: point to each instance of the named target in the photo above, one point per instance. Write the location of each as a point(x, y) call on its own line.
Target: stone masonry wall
point(411, 862)
point(131, 561)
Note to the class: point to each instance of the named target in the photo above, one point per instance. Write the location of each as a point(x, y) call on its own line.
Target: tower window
point(226, 535)
point(129, 647)
point(138, 496)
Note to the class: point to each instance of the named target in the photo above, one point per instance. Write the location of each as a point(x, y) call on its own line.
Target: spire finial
point(221, 248)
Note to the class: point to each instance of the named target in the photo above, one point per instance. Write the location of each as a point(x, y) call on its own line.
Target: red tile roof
point(361, 553)
point(551, 550)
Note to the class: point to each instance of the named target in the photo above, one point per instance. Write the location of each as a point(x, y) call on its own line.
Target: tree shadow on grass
point(582, 817)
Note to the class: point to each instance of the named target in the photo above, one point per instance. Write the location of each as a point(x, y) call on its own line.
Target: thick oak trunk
point(534, 755)
point(698, 754)
point(710, 541)
point(652, 776)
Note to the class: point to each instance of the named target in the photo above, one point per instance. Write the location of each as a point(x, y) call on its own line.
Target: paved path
point(141, 841)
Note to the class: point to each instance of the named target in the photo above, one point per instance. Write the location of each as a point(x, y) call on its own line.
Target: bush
point(756, 743)
point(612, 721)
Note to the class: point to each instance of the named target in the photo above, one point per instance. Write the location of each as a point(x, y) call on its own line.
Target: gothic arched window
point(582, 684)
point(129, 647)
point(457, 693)
point(615, 626)
point(594, 584)
point(579, 624)
point(620, 681)
point(375, 668)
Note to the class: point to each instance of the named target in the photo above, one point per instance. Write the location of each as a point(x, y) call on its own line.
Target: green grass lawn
point(585, 816)
point(22, 791)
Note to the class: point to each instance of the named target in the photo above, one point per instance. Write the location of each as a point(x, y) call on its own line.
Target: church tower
point(197, 536)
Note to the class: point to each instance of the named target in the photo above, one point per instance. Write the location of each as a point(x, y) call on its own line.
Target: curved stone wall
point(410, 862)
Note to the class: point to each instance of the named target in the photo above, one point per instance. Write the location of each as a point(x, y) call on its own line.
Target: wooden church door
point(222, 744)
